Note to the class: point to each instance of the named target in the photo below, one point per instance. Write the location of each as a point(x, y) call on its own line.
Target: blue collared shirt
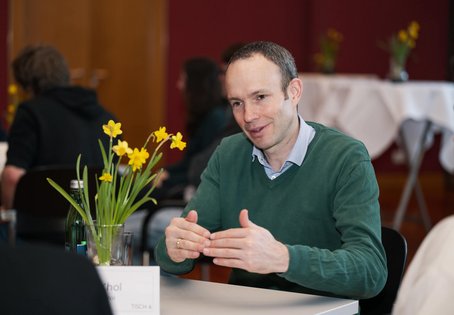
point(296, 156)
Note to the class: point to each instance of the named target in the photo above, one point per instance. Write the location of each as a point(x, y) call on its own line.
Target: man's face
point(260, 107)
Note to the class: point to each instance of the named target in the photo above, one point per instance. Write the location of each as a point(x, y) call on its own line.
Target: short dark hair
point(274, 53)
point(39, 68)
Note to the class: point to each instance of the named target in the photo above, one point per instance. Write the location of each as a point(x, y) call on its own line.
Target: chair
point(41, 210)
point(396, 253)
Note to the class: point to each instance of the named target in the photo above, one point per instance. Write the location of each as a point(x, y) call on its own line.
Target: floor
point(438, 190)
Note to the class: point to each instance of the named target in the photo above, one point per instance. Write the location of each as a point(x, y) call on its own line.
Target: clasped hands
point(249, 247)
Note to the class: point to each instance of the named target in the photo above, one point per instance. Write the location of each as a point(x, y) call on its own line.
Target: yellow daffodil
point(106, 177)
point(122, 148)
point(12, 89)
point(400, 45)
point(403, 36)
point(329, 42)
point(138, 158)
point(120, 190)
point(161, 134)
point(177, 143)
point(413, 29)
point(112, 129)
point(334, 35)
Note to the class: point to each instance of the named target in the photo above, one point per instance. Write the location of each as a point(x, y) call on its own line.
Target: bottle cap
point(76, 184)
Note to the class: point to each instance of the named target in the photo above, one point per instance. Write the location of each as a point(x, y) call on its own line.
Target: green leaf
point(69, 198)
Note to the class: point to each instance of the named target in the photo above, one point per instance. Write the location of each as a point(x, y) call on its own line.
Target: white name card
point(132, 289)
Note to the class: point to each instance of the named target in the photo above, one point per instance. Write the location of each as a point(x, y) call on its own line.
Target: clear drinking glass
point(109, 245)
point(128, 246)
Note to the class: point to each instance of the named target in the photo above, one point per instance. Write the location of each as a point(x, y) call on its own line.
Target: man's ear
point(295, 90)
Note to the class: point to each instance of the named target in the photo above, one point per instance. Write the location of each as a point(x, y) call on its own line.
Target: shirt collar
point(305, 135)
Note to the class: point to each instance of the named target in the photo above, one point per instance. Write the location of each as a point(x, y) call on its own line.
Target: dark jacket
point(55, 127)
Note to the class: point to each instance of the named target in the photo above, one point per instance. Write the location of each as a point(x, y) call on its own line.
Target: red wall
point(206, 27)
point(364, 23)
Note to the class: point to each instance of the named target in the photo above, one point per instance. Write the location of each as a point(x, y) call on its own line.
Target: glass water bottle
point(75, 239)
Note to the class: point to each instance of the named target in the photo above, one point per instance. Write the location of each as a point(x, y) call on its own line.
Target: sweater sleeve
point(361, 260)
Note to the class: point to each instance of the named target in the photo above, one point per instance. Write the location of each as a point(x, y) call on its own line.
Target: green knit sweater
point(326, 212)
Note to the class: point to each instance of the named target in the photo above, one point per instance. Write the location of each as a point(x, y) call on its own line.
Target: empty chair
point(396, 253)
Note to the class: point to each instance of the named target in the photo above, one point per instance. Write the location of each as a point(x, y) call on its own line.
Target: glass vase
point(397, 72)
point(106, 244)
point(328, 66)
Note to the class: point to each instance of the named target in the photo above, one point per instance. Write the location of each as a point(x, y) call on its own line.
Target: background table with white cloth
point(379, 113)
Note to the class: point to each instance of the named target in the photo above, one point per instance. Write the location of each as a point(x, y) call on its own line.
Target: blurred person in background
point(428, 284)
point(206, 111)
point(200, 161)
point(206, 117)
point(55, 123)
point(42, 280)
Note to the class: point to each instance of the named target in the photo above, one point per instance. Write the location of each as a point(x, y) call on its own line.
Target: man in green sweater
point(288, 204)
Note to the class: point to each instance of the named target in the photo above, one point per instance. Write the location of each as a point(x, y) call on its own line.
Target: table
point(182, 296)
point(379, 113)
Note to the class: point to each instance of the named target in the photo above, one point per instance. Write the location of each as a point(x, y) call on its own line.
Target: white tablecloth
point(374, 111)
